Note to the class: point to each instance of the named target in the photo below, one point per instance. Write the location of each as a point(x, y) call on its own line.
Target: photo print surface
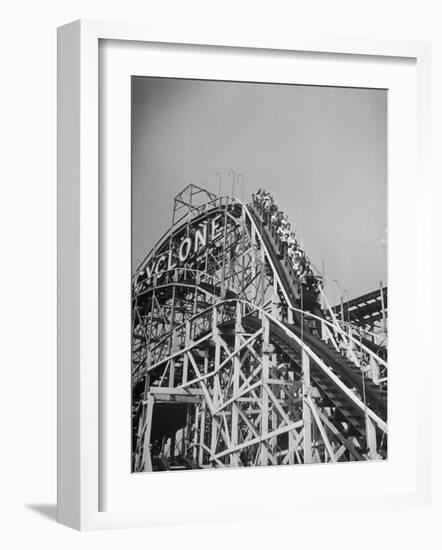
point(259, 274)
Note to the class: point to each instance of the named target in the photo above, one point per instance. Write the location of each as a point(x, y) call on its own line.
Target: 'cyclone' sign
point(188, 246)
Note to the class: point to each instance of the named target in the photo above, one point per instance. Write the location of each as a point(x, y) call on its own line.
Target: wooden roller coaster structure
point(235, 363)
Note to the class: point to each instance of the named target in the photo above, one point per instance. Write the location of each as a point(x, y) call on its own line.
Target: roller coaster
point(235, 363)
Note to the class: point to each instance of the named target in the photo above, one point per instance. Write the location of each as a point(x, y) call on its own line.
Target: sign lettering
point(192, 244)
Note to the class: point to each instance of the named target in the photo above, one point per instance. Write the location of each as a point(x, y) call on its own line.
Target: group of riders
point(286, 240)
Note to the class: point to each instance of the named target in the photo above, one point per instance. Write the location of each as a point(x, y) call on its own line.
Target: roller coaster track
point(233, 365)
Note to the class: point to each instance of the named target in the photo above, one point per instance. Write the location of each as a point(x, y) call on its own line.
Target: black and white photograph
point(259, 274)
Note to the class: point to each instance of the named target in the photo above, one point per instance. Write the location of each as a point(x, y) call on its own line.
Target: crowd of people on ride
point(286, 239)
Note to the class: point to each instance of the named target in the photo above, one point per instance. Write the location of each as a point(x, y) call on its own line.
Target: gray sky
point(321, 152)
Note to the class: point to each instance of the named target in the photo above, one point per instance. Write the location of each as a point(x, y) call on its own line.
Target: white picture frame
point(79, 252)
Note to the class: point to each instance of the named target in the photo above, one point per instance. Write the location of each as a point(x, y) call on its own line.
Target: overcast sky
point(321, 152)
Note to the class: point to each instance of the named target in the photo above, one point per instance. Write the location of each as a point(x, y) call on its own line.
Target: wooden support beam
point(306, 413)
point(371, 438)
point(346, 442)
point(196, 422)
point(261, 439)
point(158, 391)
point(187, 343)
point(321, 428)
point(264, 453)
point(203, 418)
point(147, 459)
point(292, 437)
point(235, 383)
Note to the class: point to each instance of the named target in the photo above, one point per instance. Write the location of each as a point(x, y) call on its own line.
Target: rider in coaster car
point(257, 198)
point(291, 241)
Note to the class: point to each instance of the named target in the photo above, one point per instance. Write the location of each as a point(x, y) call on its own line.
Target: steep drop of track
point(347, 371)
